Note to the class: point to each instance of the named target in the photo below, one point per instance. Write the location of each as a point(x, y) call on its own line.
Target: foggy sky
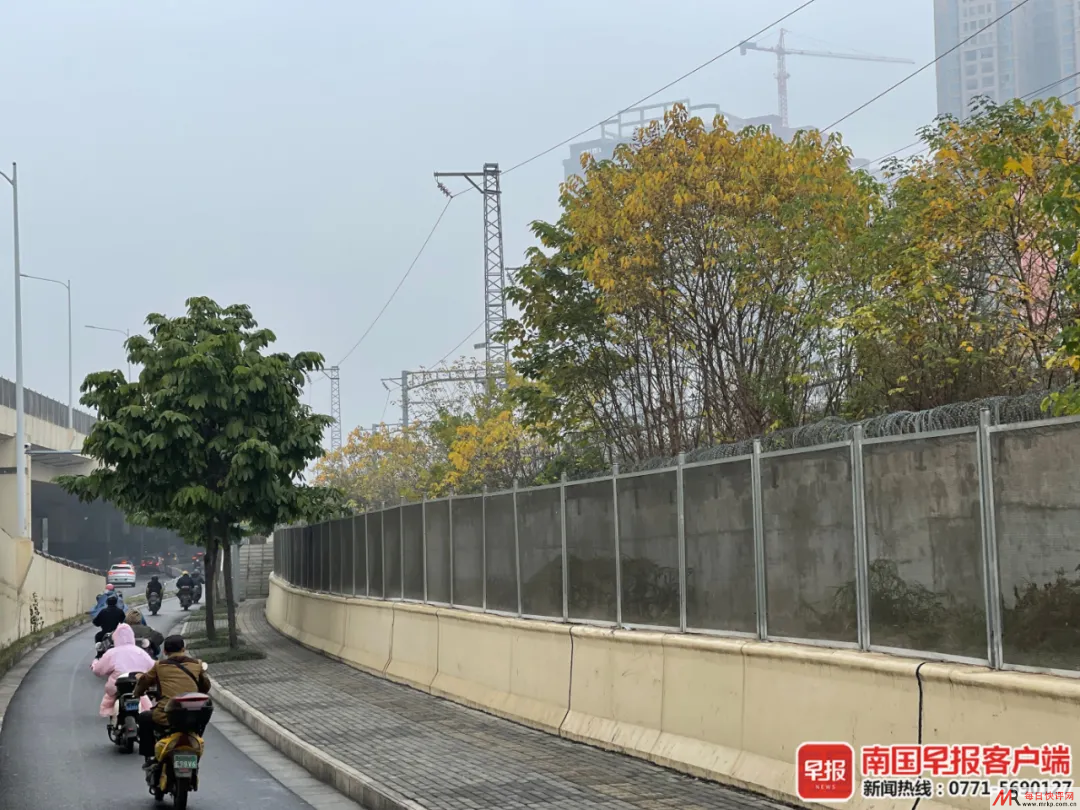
point(280, 153)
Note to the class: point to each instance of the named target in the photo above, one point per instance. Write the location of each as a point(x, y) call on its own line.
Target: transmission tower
point(334, 373)
point(495, 353)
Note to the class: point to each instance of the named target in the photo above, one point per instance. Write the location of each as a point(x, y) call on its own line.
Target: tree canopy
point(213, 433)
point(707, 286)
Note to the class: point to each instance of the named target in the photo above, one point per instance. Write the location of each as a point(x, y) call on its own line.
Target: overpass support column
point(9, 490)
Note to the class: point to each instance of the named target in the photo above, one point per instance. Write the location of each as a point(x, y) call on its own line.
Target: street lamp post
point(20, 403)
point(71, 369)
point(125, 332)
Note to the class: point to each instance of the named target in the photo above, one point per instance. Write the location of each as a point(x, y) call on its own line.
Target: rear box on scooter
point(189, 713)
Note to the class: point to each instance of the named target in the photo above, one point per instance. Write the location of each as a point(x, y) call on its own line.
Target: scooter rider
point(144, 631)
point(110, 590)
point(111, 617)
point(185, 581)
point(177, 674)
point(153, 586)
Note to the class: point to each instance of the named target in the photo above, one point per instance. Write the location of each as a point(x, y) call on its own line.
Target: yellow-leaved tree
point(490, 446)
point(695, 275)
point(963, 293)
point(381, 465)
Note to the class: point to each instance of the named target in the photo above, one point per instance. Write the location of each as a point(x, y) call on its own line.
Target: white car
point(122, 576)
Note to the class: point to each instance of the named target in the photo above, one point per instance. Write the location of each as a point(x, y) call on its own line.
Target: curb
point(343, 778)
point(11, 680)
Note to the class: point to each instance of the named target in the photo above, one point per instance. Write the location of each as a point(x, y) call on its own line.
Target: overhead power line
point(389, 300)
point(462, 343)
point(660, 90)
point(1024, 97)
point(929, 64)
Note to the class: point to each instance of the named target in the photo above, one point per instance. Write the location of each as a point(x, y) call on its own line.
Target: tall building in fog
point(1034, 46)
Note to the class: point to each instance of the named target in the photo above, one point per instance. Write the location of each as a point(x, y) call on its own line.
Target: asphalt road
point(55, 753)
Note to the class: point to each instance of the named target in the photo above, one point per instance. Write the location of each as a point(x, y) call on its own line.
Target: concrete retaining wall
point(729, 710)
point(59, 590)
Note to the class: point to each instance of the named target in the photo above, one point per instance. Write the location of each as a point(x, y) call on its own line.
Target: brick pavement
point(442, 755)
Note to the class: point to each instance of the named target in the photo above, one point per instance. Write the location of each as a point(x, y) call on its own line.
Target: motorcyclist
point(126, 656)
point(110, 617)
point(142, 630)
point(154, 586)
point(110, 590)
point(185, 581)
point(177, 674)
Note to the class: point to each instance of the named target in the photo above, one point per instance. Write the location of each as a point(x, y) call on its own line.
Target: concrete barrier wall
point(59, 591)
point(730, 710)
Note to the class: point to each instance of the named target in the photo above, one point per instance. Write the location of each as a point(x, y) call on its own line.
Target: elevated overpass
point(46, 429)
point(90, 534)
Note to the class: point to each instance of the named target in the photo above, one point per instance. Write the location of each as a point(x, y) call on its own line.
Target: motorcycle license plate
point(184, 764)
point(131, 705)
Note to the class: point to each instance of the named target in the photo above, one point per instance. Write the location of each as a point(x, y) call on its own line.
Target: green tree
point(212, 435)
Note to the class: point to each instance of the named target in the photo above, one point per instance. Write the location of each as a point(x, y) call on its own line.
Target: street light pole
point(71, 368)
point(125, 332)
point(20, 397)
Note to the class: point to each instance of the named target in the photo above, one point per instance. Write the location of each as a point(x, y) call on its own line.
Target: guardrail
point(957, 545)
point(42, 407)
point(70, 563)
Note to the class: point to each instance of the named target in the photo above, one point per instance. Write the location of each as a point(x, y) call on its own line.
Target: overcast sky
point(280, 153)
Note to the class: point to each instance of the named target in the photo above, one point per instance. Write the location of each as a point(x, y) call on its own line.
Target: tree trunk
point(230, 602)
point(209, 566)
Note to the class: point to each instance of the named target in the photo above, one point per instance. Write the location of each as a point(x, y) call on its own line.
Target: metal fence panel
point(346, 545)
point(810, 545)
point(438, 551)
point(649, 548)
point(376, 554)
point(590, 551)
point(325, 562)
point(924, 534)
point(1037, 512)
point(540, 549)
point(291, 548)
point(310, 581)
point(392, 552)
point(468, 573)
point(316, 557)
point(359, 555)
point(412, 543)
point(501, 579)
point(336, 561)
point(719, 518)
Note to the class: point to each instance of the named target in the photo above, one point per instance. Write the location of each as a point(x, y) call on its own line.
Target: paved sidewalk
point(442, 755)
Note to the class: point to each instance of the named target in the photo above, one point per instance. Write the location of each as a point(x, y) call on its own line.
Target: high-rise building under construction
point(1034, 47)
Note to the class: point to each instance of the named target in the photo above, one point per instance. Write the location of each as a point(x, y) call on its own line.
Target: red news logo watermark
point(963, 760)
point(826, 770)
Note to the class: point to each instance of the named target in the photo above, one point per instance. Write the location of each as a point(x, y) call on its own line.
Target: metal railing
point(958, 544)
point(42, 407)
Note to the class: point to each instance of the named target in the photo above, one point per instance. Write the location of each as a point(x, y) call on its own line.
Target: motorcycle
point(197, 595)
point(184, 595)
point(123, 726)
point(104, 645)
point(179, 749)
point(153, 601)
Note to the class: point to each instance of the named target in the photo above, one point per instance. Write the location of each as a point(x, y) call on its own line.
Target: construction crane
point(782, 52)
